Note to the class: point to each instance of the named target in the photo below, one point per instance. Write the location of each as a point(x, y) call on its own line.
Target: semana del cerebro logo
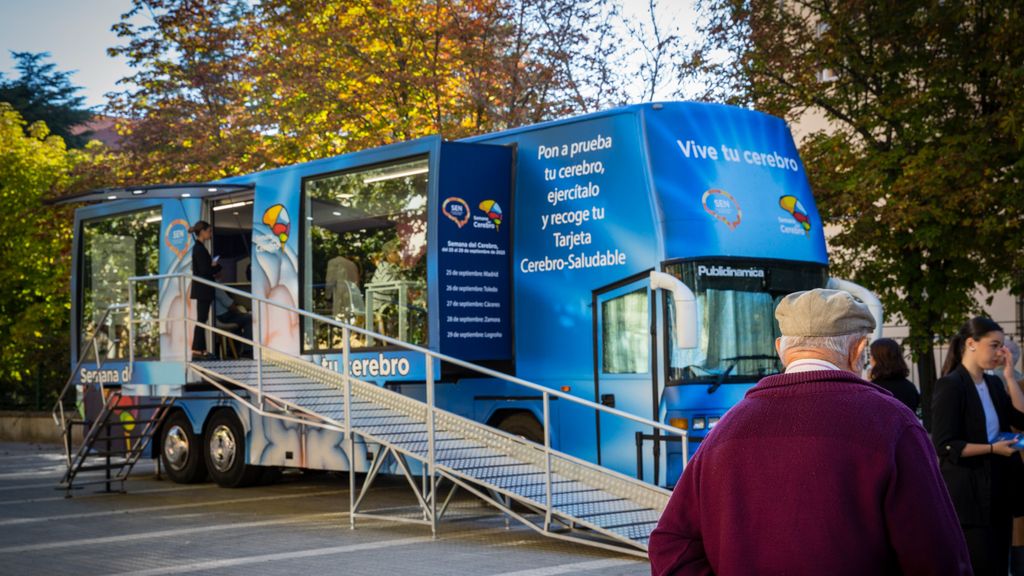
point(276, 218)
point(456, 210)
point(722, 207)
point(493, 211)
point(800, 222)
point(177, 238)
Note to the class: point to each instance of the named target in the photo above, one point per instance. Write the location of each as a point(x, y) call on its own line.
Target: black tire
point(523, 424)
point(181, 450)
point(225, 452)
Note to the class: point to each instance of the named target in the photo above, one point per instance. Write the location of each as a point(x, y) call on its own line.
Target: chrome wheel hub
point(176, 448)
point(223, 448)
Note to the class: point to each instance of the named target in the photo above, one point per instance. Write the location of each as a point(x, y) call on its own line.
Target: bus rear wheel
point(225, 452)
point(181, 450)
point(523, 424)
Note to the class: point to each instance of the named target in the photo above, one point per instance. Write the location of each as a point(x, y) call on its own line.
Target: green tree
point(35, 261)
point(184, 113)
point(921, 166)
point(42, 93)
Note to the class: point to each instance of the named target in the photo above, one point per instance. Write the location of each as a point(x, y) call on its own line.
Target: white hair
point(838, 344)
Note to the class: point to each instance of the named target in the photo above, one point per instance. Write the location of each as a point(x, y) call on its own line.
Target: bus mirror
point(685, 308)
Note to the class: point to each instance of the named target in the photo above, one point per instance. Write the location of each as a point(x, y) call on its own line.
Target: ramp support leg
point(345, 335)
point(548, 502)
point(431, 448)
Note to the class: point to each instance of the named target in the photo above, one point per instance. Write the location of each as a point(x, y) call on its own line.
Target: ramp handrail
point(421, 350)
point(654, 496)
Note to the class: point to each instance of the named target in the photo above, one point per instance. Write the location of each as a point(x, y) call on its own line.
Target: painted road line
point(38, 455)
point(57, 472)
point(168, 533)
point(50, 485)
point(54, 471)
point(575, 567)
point(296, 555)
point(13, 521)
point(107, 494)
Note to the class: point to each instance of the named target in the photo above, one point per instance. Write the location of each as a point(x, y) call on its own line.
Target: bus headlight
point(712, 420)
point(699, 423)
point(681, 423)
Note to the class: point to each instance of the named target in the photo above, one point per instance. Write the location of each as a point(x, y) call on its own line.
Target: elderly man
point(815, 471)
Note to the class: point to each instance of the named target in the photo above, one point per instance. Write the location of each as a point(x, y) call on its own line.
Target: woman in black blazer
point(969, 410)
point(204, 267)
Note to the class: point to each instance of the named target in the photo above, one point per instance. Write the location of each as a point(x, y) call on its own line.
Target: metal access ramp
point(551, 492)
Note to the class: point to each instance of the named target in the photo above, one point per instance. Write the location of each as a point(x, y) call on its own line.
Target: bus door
point(232, 218)
point(628, 374)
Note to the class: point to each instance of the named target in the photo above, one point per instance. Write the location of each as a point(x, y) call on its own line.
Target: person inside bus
point(232, 317)
point(816, 471)
point(971, 409)
point(889, 370)
point(203, 266)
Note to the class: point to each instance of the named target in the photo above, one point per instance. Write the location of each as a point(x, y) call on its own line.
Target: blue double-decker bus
point(631, 257)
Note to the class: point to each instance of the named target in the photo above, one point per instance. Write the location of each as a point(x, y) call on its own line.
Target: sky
point(75, 32)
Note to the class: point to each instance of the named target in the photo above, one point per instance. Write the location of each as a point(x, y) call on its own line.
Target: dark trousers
point(203, 317)
point(990, 546)
point(244, 323)
point(1017, 561)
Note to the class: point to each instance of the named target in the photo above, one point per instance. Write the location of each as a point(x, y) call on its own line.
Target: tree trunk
point(926, 376)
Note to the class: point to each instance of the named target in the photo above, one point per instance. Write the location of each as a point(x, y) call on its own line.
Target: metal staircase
point(551, 492)
point(115, 441)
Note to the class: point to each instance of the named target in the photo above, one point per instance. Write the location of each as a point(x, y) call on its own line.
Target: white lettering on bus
point(730, 272)
point(379, 366)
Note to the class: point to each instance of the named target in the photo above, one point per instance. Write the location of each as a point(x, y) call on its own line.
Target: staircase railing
point(59, 417)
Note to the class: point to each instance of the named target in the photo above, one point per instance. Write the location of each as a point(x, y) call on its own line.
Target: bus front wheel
point(225, 452)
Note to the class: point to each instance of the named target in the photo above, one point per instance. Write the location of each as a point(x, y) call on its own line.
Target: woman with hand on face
point(969, 411)
point(203, 266)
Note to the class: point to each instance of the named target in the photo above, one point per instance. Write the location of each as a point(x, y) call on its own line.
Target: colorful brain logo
point(796, 209)
point(456, 210)
point(276, 218)
point(723, 207)
point(493, 211)
point(177, 237)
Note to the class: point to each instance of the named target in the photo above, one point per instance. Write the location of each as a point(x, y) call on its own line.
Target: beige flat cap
point(821, 312)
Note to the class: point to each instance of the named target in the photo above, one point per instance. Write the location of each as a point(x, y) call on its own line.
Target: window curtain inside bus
point(746, 328)
point(625, 335)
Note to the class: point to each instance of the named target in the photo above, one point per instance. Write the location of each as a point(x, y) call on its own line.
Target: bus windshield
point(736, 318)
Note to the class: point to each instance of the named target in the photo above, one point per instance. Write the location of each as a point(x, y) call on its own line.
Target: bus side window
point(113, 249)
point(625, 336)
point(364, 254)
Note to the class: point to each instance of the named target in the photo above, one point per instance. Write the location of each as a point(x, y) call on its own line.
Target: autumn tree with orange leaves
point(222, 88)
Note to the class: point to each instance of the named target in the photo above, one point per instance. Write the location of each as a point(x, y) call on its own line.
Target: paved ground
point(296, 526)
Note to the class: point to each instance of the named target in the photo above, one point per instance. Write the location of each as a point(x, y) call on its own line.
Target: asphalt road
point(298, 525)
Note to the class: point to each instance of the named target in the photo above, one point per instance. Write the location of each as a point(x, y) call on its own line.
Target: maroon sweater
point(812, 473)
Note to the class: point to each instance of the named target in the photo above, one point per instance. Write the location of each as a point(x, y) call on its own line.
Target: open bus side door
point(627, 371)
point(630, 366)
